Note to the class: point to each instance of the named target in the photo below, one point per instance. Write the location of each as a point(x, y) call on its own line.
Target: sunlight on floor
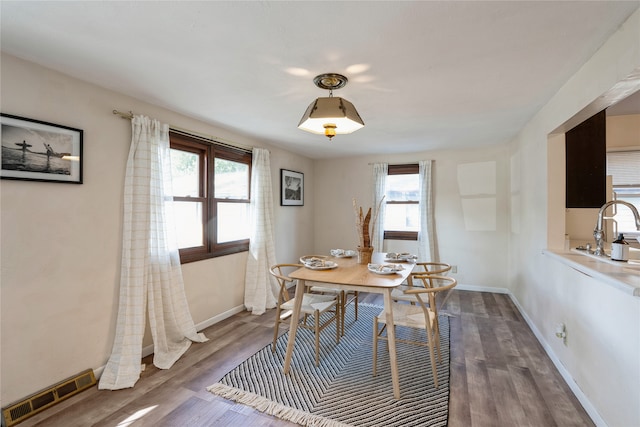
point(141, 413)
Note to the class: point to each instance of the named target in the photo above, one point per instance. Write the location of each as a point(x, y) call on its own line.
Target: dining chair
point(344, 298)
point(423, 315)
point(432, 268)
point(312, 305)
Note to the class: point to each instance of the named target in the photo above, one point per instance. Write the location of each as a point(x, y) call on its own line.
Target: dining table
point(349, 275)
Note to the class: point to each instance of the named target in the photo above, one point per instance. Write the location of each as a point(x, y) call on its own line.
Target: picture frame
point(33, 150)
point(291, 188)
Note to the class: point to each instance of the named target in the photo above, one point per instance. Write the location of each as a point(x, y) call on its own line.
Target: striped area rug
point(342, 390)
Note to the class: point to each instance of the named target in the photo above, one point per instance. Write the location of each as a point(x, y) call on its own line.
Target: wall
point(600, 356)
point(60, 243)
point(623, 131)
point(476, 244)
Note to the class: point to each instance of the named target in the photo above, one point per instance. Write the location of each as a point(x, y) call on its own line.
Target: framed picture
point(39, 151)
point(291, 188)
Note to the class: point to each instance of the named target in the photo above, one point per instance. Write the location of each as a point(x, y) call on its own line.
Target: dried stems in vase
point(363, 222)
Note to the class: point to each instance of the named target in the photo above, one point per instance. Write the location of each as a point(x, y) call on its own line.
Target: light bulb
point(329, 130)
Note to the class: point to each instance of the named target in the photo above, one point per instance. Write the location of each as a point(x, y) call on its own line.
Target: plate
point(401, 257)
point(385, 268)
point(322, 265)
point(399, 260)
point(343, 253)
point(307, 258)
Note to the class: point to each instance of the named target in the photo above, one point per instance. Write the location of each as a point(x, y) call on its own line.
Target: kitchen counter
point(624, 276)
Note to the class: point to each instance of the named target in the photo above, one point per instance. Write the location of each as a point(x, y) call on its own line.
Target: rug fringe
point(270, 407)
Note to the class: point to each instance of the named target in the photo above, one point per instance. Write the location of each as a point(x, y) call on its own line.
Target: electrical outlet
point(454, 268)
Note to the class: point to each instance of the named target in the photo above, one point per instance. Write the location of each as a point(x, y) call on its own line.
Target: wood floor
point(500, 376)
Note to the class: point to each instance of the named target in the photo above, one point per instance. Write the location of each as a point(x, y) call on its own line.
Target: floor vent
point(48, 397)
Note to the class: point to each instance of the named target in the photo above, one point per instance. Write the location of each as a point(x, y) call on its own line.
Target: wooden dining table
point(351, 276)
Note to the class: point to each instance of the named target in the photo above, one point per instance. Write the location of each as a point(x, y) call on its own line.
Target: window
point(402, 196)
point(624, 168)
point(211, 197)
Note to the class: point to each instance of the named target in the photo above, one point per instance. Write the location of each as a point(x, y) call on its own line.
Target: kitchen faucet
point(598, 232)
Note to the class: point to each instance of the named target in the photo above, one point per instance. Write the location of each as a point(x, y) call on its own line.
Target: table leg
point(293, 328)
point(391, 338)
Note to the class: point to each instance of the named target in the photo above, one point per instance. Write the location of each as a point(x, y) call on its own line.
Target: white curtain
point(150, 275)
point(260, 289)
point(427, 250)
point(380, 171)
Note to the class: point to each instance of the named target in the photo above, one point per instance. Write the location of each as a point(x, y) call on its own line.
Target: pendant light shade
point(331, 115)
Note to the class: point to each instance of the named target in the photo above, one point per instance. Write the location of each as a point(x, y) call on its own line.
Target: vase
point(364, 255)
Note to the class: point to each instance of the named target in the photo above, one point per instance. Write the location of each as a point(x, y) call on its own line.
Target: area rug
point(342, 391)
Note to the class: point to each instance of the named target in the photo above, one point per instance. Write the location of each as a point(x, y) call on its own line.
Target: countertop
point(624, 276)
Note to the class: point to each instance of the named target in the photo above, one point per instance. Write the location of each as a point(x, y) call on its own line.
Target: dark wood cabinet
point(586, 164)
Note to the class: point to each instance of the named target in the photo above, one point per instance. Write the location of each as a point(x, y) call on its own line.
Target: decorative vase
point(364, 255)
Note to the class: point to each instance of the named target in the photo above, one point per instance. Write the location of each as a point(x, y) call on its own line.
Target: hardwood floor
point(500, 376)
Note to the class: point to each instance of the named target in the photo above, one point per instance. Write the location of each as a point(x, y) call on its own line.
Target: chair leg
point(375, 345)
point(339, 324)
point(432, 356)
point(343, 310)
point(355, 301)
point(436, 334)
point(316, 319)
point(275, 331)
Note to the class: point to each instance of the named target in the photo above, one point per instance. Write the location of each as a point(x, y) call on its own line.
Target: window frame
point(208, 152)
point(406, 169)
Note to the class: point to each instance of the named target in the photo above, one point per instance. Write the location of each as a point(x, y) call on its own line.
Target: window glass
point(232, 179)
point(402, 188)
point(189, 225)
point(185, 173)
point(402, 218)
point(624, 216)
point(233, 222)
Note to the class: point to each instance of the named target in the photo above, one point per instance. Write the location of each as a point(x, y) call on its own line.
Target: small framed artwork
point(39, 151)
point(291, 188)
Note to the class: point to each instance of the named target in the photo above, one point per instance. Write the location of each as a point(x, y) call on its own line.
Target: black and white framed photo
point(291, 188)
point(39, 151)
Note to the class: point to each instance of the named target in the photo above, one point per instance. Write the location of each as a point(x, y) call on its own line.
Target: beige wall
point(601, 353)
point(60, 243)
point(623, 131)
point(478, 254)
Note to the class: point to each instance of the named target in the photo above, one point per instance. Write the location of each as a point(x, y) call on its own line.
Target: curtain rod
point(395, 164)
point(207, 138)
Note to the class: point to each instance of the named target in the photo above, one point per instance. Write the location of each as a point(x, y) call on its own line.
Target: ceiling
point(424, 75)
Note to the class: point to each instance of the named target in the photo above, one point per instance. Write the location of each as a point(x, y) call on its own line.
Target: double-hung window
point(211, 197)
point(402, 199)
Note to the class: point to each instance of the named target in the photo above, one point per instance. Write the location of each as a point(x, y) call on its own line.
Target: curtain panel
point(427, 250)
point(150, 275)
point(260, 288)
point(380, 171)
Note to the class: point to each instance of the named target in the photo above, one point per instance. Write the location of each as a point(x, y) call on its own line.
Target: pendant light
point(331, 115)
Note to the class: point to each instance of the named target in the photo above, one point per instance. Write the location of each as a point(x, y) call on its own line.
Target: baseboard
point(566, 375)
point(148, 350)
point(473, 288)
